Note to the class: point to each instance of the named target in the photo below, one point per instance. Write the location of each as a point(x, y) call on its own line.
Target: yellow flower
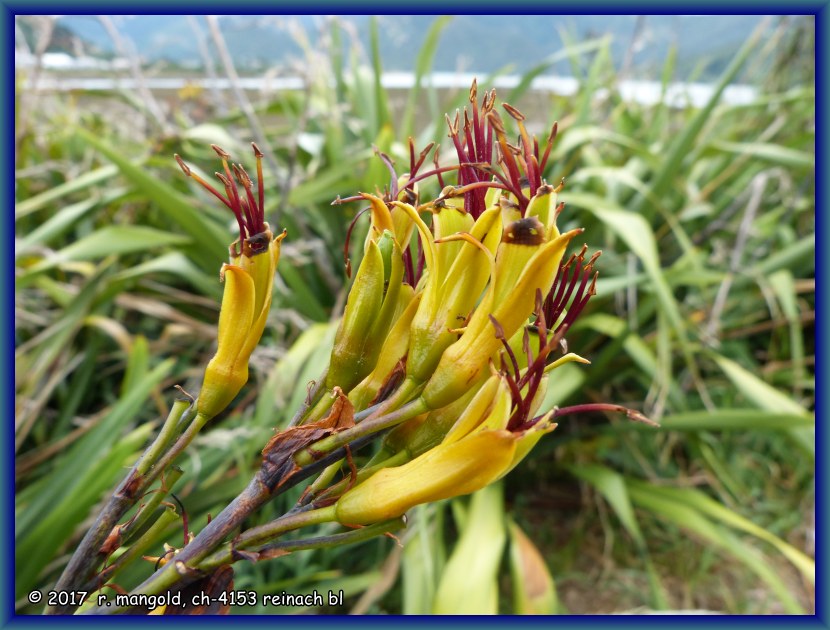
point(245, 306)
point(249, 282)
point(478, 450)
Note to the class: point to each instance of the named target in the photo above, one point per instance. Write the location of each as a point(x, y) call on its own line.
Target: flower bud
point(453, 286)
point(349, 362)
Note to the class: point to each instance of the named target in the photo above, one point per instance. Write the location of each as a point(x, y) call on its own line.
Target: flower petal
point(448, 470)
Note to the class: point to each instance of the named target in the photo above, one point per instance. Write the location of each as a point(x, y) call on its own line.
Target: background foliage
point(704, 319)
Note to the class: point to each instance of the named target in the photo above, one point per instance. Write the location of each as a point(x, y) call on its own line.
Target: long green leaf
point(71, 468)
point(694, 521)
point(674, 160)
point(756, 391)
point(611, 485)
point(82, 182)
point(469, 582)
point(736, 420)
point(774, 153)
point(697, 500)
point(107, 241)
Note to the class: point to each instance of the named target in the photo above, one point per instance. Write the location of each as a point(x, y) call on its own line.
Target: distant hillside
point(478, 43)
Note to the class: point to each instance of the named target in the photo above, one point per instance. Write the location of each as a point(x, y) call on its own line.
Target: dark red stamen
point(249, 213)
point(409, 269)
point(438, 171)
point(631, 414)
point(500, 336)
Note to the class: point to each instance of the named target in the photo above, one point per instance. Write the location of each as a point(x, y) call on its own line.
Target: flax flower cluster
point(456, 316)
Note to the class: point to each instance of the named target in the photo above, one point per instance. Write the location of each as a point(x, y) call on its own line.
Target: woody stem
point(185, 568)
point(145, 471)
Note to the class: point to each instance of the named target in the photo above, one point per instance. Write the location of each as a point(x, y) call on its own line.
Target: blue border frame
point(819, 9)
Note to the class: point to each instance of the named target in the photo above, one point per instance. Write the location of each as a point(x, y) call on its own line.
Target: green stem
point(267, 532)
point(313, 453)
point(322, 482)
point(182, 443)
point(340, 487)
point(148, 509)
point(266, 484)
point(335, 540)
point(162, 441)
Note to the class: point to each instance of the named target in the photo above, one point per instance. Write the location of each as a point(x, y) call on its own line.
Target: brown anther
point(423, 155)
point(449, 126)
point(474, 91)
point(592, 289)
point(594, 257)
point(489, 101)
point(515, 113)
point(544, 189)
point(257, 152)
point(553, 131)
point(220, 152)
point(182, 165)
point(222, 178)
point(242, 175)
point(495, 122)
point(447, 192)
point(559, 208)
point(504, 203)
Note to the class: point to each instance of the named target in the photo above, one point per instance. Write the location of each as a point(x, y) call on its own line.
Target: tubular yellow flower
point(448, 470)
point(376, 300)
point(479, 449)
point(249, 282)
point(245, 306)
point(494, 429)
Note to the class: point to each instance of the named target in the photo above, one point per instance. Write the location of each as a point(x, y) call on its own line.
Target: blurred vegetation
point(704, 319)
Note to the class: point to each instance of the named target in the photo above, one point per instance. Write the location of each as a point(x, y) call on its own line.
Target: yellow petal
point(528, 439)
point(381, 217)
point(446, 471)
point(543, 205)
point(464, 360)
point(477, 411)
point(568, 358)
point(224, 377)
